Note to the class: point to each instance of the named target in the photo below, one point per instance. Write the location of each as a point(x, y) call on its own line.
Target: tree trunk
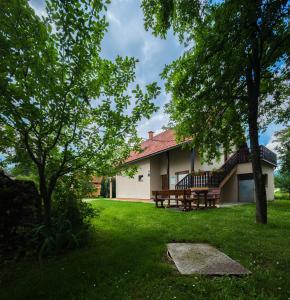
point(261, 199)
point(45, 196)
point(260, 191)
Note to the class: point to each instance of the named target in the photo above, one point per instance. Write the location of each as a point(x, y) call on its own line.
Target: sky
point(126, 36)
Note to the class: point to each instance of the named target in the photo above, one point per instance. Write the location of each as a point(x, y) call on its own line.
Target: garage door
point(246, 188)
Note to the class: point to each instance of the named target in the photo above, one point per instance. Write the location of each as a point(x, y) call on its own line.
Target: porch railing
point(214, 178)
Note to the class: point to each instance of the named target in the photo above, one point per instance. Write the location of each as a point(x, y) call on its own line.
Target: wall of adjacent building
point(127, 187)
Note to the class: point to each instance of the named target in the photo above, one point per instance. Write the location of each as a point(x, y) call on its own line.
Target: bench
point(213, 197)
point(184, 196)
point(159, 197)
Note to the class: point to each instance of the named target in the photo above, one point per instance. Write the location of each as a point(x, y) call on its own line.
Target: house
point(97, 182)
point(164, 164)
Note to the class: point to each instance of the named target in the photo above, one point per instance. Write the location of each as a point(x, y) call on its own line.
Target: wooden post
point(111, 188)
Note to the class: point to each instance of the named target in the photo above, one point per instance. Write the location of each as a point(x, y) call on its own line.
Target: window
point(140, 178)
point(180, 175)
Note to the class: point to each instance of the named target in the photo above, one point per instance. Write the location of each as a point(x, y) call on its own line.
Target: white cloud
point(113, 18)
point(272, 144)
point(39, 7)
point(155, 123)
point(151, 47)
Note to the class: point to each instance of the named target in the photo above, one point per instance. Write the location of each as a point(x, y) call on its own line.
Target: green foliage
point(233, 76)
point(282, 179)
point(62, 106)
point(67, 200)
point(209, 84)
point(160, 15)
point(70, 218)
point(105, 187)
point(281, 195)
point(19, 212)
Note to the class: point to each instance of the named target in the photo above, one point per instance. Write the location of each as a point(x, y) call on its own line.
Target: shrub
point(105, 187)
point(21, 224)
point(70, 217)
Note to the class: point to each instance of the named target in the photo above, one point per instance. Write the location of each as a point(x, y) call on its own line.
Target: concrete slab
point(192, 258)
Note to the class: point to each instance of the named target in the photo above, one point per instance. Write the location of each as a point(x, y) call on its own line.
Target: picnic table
point(201, 192)
point(187, 197)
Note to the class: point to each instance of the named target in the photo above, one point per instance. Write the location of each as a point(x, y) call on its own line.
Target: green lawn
point(127, 259)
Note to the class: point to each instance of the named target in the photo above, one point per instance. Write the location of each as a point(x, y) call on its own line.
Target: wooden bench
point(159, 197)
point(184, 196)
point(188, 200)
point(213, 197)
point(176, 195)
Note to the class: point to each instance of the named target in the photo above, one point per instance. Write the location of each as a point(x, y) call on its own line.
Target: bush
point(20, 217)
point(70, 217)
point(19, 205)
point(105, 187)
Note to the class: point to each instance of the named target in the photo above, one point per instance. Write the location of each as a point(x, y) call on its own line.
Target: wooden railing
point(268, 155)
point(213, 179)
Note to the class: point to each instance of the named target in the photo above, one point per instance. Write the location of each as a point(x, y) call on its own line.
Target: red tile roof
point(160, 142)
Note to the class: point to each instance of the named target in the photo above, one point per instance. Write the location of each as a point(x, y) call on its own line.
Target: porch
point(217, 178)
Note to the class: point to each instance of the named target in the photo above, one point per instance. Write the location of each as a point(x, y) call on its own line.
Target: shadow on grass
point(127, 257)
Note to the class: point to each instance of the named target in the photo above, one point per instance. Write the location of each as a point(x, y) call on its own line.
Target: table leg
point(184, 205)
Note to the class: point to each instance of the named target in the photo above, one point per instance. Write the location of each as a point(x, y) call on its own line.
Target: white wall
point(127, 187)
point(155, 177)
point(199, 165)
point(230, 190)
point(179, 162)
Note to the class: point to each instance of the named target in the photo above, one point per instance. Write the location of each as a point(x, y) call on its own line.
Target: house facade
point(163, 164)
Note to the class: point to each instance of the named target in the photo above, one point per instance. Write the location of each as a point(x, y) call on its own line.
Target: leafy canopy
point(283, 177)
point(60, 102)
point(225, 40)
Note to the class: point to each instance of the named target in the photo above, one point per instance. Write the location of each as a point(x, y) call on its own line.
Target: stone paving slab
point(194, 258)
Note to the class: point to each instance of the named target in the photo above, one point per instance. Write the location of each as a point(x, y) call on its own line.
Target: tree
point(105, 187)
point(62, 105)
point(283, 177)
point(233, 76)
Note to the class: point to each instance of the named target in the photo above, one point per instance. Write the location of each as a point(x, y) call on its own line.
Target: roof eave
point(156, 153)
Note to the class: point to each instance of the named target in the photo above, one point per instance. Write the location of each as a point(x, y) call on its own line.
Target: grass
point(126, 259)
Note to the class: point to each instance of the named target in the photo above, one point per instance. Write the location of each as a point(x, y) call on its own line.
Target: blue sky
point(126, 36)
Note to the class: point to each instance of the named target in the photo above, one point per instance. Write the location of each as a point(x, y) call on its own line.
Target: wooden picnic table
point(201, 191)
point(187, 197)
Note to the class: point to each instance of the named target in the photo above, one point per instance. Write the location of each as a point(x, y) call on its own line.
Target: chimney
point(150, 135)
